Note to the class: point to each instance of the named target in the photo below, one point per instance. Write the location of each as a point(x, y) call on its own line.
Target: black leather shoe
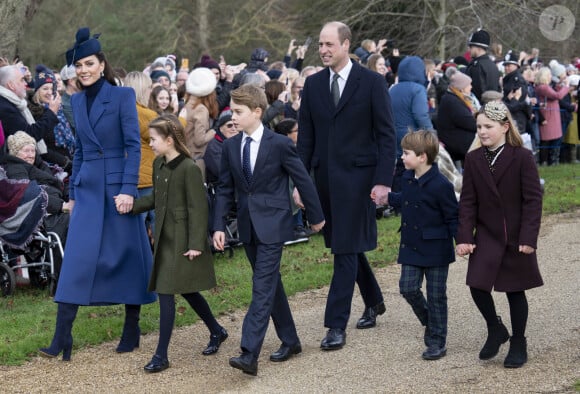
point(335, 339)
point(285, 352)
point(369, 317)
point(246, 363)
point(157, 364)
point(215, 340)
point(434, 353)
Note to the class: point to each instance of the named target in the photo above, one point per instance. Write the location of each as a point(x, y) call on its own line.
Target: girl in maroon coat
point(499, 221)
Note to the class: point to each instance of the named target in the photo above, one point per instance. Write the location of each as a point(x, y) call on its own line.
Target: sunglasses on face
point(229, 125)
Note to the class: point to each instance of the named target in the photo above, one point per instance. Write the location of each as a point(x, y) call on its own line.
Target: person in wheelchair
point(22, 162)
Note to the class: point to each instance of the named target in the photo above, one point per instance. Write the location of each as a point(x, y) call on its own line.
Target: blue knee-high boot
point(62, 340)
point(131, 330)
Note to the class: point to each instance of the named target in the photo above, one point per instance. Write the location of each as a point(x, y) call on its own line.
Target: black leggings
point(518, 309)
point(167, 318)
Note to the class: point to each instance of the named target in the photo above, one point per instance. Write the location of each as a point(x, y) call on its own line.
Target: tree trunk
point(13, 16)
point(203, 27)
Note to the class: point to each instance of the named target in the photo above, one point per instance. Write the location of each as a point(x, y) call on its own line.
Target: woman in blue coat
point(107, 257)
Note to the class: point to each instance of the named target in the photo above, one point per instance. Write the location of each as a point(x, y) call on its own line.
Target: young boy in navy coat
point(256, 166)
point(429, 212)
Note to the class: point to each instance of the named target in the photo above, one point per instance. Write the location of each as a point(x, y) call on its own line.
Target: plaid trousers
point(431, 312)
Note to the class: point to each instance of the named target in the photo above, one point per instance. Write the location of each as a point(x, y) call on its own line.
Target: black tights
point(518, 309)
point(167, 318)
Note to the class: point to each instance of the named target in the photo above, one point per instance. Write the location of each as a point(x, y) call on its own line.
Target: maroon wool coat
point(504, 209)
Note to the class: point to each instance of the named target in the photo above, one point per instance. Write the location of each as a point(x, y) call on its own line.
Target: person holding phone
point(60, 143)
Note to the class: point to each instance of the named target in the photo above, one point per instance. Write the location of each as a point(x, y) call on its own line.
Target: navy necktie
point(246, 164)
point(335, 90)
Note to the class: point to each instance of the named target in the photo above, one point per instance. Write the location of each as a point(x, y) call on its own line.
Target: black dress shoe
point(215, 340)
point(285, 352)
point(157, 364)
point(335, 339)
point(434, 352)
point(246, 363)
point(369, 317)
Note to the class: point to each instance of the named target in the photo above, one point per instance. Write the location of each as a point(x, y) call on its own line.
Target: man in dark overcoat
point(346, 137)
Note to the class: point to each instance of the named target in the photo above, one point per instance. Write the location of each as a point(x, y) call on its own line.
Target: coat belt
point(99, 154)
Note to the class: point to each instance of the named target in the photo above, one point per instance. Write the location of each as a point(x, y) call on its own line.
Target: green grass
point(561, 193)
point(27, 318)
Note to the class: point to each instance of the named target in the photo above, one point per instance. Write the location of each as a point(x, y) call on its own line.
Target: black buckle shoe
point(157, 364)
point(215, 340)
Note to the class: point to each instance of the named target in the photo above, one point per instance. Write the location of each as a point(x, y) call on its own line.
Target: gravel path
point(385, 359)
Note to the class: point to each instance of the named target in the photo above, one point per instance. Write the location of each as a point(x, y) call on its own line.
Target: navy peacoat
point(498, 212)
point(428, 218)
point(107, 259)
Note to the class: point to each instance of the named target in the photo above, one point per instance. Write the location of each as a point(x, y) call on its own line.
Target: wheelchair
point(39, 260)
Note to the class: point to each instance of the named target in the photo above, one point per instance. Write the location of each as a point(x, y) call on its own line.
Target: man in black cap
point(482, 70)
point(515, 91)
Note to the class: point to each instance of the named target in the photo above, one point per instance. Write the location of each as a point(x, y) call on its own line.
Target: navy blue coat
point(429, 212)
point(350, 149)
point(107, 259)
point(13, 121)
point(265, 202)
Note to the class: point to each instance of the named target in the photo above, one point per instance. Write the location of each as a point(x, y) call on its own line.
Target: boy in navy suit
point(429, 212)
point(256, 167)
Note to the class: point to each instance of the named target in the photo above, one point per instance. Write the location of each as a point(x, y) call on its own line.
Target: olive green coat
point(181, 220)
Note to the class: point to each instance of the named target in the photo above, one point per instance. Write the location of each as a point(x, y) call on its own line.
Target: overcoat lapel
point(483, 169)
point(82, 120)
point(503, 162)
point(100, 104)
point(351, 86)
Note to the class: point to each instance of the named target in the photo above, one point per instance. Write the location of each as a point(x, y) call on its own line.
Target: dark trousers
point(268, 299)
point(350, 269)
point(431, 312)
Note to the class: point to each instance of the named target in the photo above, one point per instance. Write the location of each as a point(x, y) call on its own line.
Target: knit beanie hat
point(207, 62)
point(274, 74)
point(479, 38)
point(459, 80)
point(19, 140)
point(43, 76)
point(200, 82)
point(156, 74)
point(224, 118)
point(557, 69)
point(68, 72)
point(84, 46)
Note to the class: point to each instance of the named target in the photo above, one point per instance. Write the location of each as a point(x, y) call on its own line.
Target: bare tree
point(13, 14)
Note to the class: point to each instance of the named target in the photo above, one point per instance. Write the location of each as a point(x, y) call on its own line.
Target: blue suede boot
point(131, 331)
point(62, 340)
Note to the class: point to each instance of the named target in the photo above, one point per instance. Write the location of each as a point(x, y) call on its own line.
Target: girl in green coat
point(183, 263)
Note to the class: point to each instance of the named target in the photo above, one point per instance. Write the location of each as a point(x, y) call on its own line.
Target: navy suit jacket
point(265, 203)
point(350, 148)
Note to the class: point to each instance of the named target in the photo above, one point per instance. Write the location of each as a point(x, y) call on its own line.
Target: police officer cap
point(511, 58)
point(479, 38)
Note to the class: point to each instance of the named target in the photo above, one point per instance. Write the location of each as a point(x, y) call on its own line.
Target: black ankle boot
point(131, 331)
point(518, 353)
point(496, 336)
point(62, 340)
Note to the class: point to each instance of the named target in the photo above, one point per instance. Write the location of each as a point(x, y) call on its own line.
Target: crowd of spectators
point(434, 94)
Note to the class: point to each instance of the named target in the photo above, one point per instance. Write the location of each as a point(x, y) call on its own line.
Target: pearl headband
point(495, 110)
